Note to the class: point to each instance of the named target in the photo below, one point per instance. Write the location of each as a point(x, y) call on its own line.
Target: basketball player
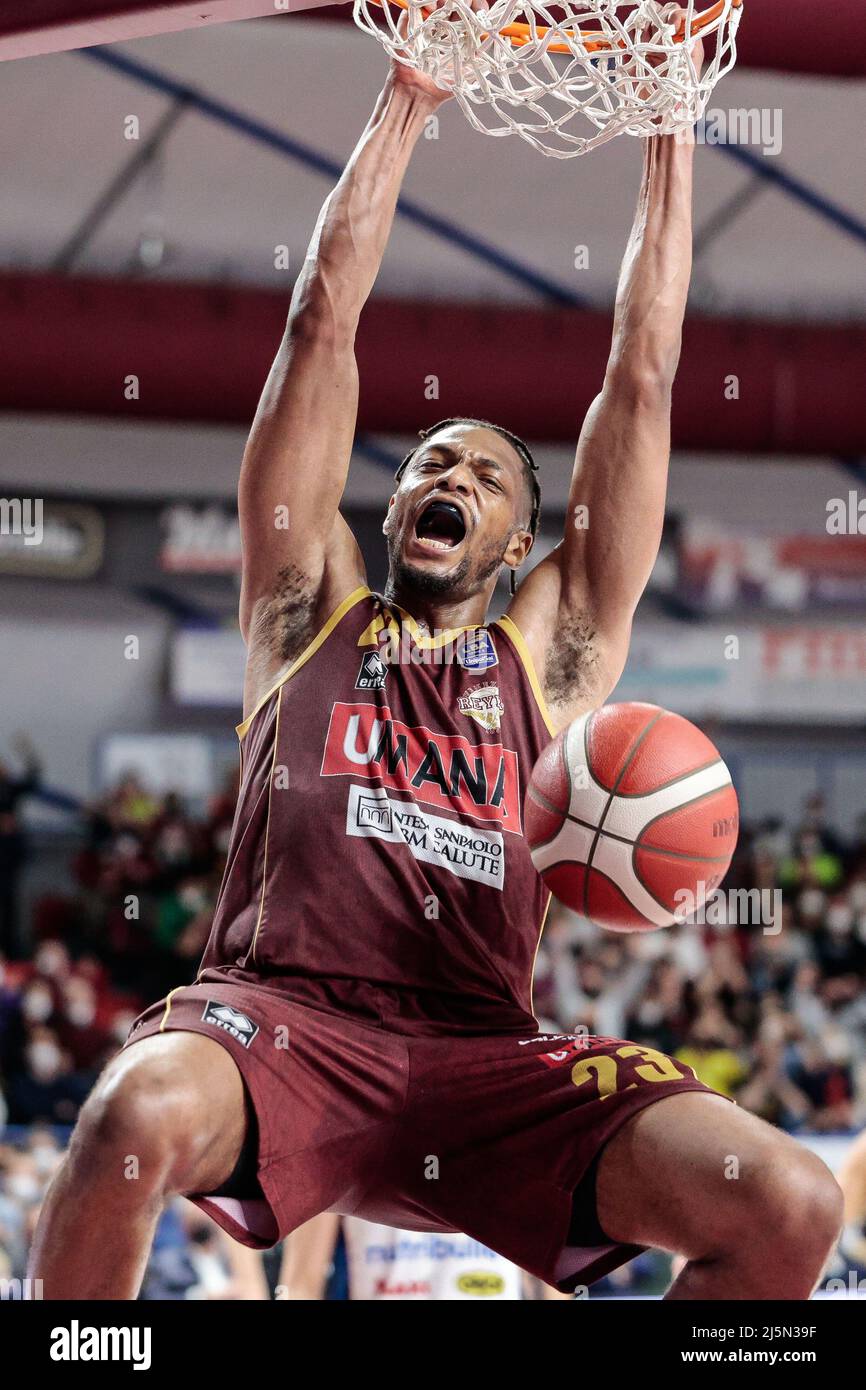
point(360, 1038)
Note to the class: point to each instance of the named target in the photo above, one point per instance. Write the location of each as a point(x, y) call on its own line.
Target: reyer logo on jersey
point(480, 780)
point(483, 703)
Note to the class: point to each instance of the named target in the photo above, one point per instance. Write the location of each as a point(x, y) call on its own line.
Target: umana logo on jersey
point(480, 780)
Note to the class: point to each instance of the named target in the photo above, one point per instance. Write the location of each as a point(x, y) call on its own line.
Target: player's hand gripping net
point(565, 77)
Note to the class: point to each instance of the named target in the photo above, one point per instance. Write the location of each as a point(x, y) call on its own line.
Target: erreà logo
point(232, 1021)
point(480, 780)
point(373, 673)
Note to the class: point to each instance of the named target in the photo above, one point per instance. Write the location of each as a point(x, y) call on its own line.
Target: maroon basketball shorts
point(486, 1135)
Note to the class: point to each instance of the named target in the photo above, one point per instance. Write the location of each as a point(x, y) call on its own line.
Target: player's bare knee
point(815, 1205)
point(797, 1204)
point(140, 1122)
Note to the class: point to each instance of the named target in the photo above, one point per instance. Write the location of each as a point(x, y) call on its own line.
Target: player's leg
point(754, 1212)
point(167, 1115)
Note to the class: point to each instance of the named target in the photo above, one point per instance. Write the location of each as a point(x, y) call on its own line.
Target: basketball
point(631, 817)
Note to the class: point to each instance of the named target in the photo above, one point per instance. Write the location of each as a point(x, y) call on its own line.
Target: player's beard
point(466, 579)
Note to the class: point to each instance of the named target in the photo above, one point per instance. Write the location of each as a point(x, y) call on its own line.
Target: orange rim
point(521, 34)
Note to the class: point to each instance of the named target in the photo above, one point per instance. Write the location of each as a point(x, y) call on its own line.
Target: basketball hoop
point(566, 77)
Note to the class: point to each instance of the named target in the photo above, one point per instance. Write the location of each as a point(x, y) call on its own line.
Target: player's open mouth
point(440, 526)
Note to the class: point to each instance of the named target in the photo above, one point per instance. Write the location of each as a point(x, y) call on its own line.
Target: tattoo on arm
point(571, 669)
point(286, 622)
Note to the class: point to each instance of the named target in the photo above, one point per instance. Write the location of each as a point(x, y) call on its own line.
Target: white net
point(565, 77)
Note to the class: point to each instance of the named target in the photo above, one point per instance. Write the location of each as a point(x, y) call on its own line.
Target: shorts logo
point(232, 1021)
point(373, 673)
point(476, 652)
point(484, 705)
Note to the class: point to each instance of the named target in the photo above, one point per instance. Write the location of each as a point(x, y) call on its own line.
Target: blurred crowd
point(771, 1012)
point(191, 1257)
point(129, 924)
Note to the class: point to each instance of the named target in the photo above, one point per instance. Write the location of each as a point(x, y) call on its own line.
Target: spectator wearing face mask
point(48, 1088)
point(78, 1031)
point(52, 963)
point(840, 950)
point(37, 1002)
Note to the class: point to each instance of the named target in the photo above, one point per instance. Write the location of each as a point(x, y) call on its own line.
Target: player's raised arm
point(576, 607)
point(298, 554)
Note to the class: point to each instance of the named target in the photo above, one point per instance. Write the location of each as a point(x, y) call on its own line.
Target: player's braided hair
point(521, 448)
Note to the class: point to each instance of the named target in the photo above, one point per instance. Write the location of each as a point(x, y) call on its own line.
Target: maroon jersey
point(377, 861)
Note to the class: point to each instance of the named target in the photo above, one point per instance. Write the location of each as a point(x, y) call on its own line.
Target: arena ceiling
point(242, 125)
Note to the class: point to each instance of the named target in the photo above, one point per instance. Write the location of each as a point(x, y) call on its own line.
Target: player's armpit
point(297, 602)
point(582, 598)
point(578, 659)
